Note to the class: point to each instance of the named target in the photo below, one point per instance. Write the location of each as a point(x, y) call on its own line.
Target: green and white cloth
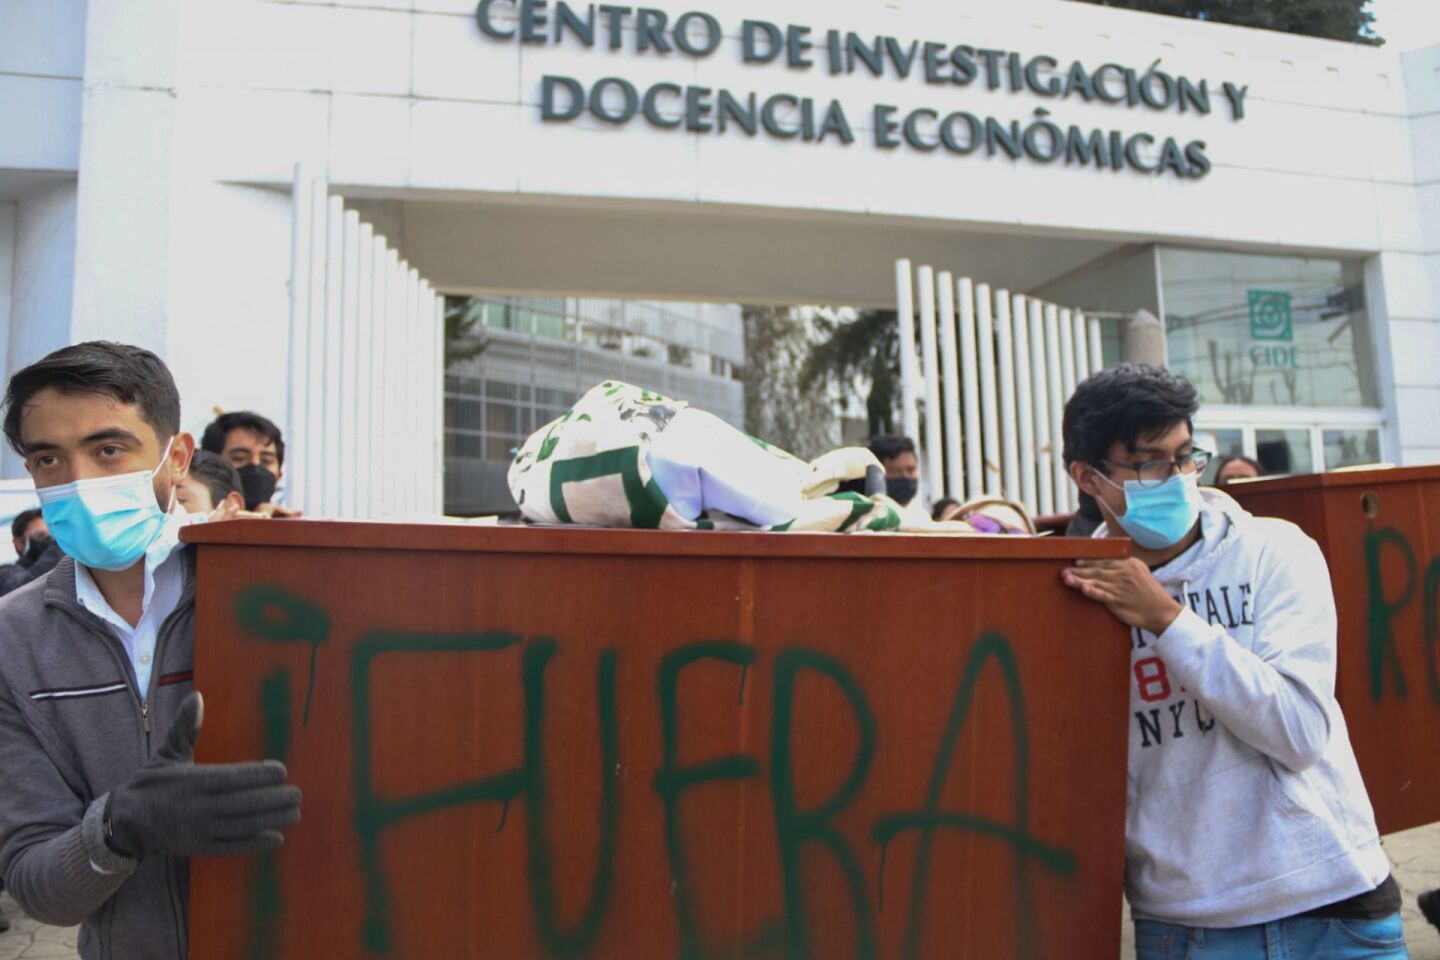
point(626, 457)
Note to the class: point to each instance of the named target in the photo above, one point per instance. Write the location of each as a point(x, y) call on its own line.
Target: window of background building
point(542, 316)
point(1281, 351)
point(1262, 330)
point(1283, 452)
point(541, 353)
point(1289, 449)
point(1347, 448)
point(1222, 445)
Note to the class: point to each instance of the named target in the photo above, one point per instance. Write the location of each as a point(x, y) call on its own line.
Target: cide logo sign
point(1271, 319)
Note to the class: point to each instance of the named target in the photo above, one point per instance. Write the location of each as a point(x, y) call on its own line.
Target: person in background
point(255, 447)
point(212, 487)
point(35, 547)
point(902, 474)
point(1087, 518)
point(27, 529)
point(103, 805)
point(1237, 468)
point(946, 508)
point(1248, 831)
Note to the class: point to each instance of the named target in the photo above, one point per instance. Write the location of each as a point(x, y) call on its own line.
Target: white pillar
point(127, 173)
point(42, 281)
point(1144, 339)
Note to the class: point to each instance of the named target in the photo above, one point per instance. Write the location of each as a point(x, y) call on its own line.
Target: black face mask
point(902, 489)
point(258, 483)
point(38, 544)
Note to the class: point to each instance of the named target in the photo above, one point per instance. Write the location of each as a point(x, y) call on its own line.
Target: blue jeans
point(1294, 938)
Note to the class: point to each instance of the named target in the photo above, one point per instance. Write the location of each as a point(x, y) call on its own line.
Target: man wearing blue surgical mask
point(1248, 829)
point(103, 805)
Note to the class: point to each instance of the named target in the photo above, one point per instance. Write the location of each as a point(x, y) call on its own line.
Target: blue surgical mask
point(106, 523)
point(1158, 517)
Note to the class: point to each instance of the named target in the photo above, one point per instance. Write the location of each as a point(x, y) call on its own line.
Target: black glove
point(172, 805)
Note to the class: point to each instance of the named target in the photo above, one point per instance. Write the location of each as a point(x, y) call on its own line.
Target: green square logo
point(1270, 317)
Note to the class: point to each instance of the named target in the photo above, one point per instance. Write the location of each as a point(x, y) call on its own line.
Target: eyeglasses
point(1152, 473)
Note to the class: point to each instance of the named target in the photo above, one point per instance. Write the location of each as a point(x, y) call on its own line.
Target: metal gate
point(367, 342)
point(992, 371)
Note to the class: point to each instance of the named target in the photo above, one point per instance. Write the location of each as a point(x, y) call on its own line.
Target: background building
point(539, 354)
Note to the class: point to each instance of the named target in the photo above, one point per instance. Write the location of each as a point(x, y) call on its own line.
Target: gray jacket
point(72, 726)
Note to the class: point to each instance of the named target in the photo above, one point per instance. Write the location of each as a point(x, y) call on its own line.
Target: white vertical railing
point(296, 396)
point(330, 360)
point(932, 473)
point(437, 412)
point(905, 311)
point(1081, 337)
point(1009, 429)
point(364, 365)
point(1025, 410)
point(1097, 346)
point(989, 401)
point(313, 412)
point(1040, 404)
point(1055, 381)
point(993, 370)
point(950, 381)
point(349, 365)
point(365, 402)
point(970, 387)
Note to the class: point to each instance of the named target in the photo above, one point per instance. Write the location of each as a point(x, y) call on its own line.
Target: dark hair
point(219, 477)
point(131, 375)
point(941, 505)
point(1126, 403)
point(22, 520)
point(213, 440)
point(1224, 462)
point(889, 447)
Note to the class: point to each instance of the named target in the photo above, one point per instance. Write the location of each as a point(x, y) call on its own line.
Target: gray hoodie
point(72, 726)
point(1245, 801)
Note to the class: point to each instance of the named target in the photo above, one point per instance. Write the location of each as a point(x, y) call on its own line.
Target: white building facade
point(1275, 199)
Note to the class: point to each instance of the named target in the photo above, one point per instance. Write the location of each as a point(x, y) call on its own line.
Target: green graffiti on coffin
point(799, 829)
point(1382, 608)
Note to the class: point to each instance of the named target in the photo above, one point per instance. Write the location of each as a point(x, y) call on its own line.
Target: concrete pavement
point(1415, 854)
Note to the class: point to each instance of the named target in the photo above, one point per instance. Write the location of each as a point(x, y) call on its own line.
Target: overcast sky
point(1406, 24)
